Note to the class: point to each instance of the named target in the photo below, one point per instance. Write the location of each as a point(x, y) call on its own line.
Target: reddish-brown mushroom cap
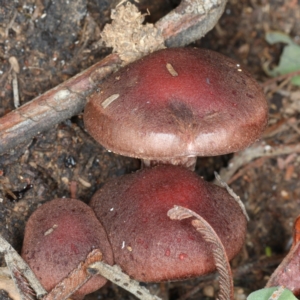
point(58, 236)
point(146, 243)
point(176, 103)
point(287, 273)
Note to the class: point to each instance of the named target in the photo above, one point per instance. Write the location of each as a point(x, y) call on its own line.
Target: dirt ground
point(54, 40)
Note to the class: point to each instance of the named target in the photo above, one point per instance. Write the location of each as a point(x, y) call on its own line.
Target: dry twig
point(276, 294)
point(75, 280)
point(232, 194)
point(259, 149)
point(56, 105)
point(21, 273)
point(115, 275)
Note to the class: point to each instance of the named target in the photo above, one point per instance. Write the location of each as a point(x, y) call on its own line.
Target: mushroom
point(176, 104)
point(58, 236)
point(150, 247)
point(287, 273)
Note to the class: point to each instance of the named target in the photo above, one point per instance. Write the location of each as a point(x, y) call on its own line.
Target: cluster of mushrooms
point(166, 109)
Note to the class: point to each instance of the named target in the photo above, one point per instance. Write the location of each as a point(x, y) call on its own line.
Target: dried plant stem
point(233, 194)
point(132, 39)
point(22, 284)
point(219, 254)
point(20, 271)
point(56, 105)
point(115, 274)
point(288, 76)
point(8, 285)
point(259, 149)
point(287, 273)
point(29, 287)
point(75, 280)
point(190, 21)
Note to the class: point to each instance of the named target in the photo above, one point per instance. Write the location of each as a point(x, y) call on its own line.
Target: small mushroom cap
point(148, 245)
point(58, 236)
point(175, 103)
point(287, 273)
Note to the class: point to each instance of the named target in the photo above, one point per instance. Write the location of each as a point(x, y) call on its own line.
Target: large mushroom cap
point(175, 103)
point(58, 236)
point(146, 243)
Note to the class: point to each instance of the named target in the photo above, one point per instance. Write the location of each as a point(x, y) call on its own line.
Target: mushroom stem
point(187, 162)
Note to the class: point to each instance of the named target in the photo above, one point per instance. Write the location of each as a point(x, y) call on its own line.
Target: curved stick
point(54, 106)
point(218, 250)
point(190, 21)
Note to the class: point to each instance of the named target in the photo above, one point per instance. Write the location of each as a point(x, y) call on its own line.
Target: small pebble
point(209, 291)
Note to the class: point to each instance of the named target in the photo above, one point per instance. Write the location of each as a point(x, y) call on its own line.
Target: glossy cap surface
point(148, 245)
point(175, 103)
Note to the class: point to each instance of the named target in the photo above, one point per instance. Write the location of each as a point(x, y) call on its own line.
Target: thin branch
point(287, 273)
point(232, 194)
point(115, 275)
point(131, 38)
point(290, 75)
point(56, 105)
point(190, 21)
point(16, 266)
point(259, 149)
point(7, 284)
point(218, 250)
point(75, 280)
point(276, 294)
point(22, 284)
